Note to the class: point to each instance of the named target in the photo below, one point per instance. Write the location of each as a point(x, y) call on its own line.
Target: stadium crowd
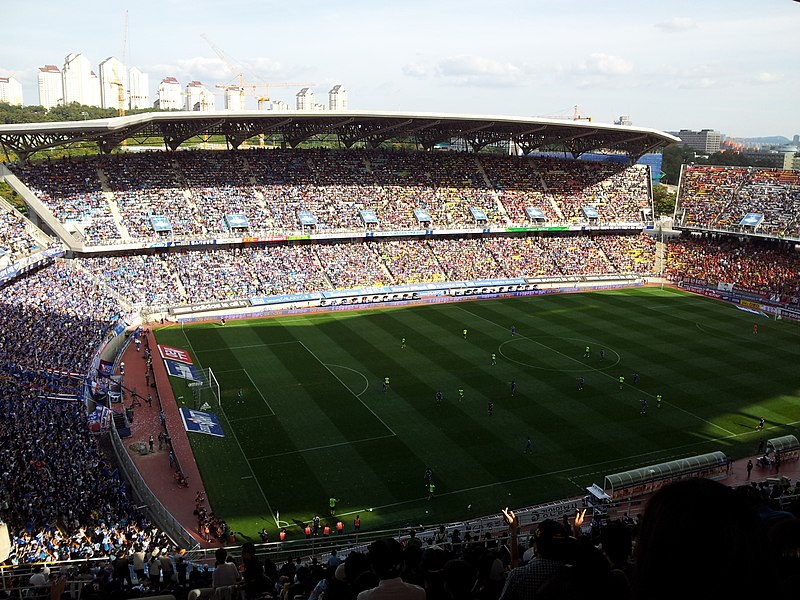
point(767, 269)
point(61, 497)
point(71, 189)
point(15, 242)
point(665, 553)
point(115, 198)
point(197, 276)
point(720, 197)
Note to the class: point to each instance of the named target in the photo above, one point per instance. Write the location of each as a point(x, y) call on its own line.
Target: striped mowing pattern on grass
point(314, 421)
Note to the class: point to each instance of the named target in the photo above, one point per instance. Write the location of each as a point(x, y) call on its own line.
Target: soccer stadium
point(309, 347)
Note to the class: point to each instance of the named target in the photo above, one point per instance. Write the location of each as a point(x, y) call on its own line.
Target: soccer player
point(621, 381)
point(491, 408)
point(513, 330)
point(658, 401)
point(439, 397)
point(332, 504)
point(465, 334)
point(403, 343)
point(635, 377)
point(460, 394)
point(431, 488)
point(241, 395)
point(428, 474)
point(755, 328)
point(586, 353)
point(528, 446)
point(602, 353)
point(644, 405)
point(513, 387)
point(760, 425)
point(385, 384)
point(494, 358)
point(580, 383)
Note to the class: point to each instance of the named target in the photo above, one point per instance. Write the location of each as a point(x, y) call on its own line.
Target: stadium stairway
point(556, 208)
point(321, 268)
point(661, 252)
point(384, 267)
point(111, 200)
point(498, 203)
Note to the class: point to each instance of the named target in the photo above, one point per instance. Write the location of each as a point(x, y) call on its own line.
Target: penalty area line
point(339, 379)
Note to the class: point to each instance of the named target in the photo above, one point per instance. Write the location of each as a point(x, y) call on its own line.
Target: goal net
point(206, 391)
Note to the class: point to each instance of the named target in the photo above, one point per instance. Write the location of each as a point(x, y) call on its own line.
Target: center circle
point(558, 354)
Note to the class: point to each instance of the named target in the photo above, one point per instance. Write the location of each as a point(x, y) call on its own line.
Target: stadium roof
point(351, 127)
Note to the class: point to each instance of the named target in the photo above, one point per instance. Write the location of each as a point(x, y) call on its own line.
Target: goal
point(206, 391)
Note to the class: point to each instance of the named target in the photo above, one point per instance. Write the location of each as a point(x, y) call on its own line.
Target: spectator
point(386, 559)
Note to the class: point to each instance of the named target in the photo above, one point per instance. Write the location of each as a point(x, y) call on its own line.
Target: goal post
point(207, 390)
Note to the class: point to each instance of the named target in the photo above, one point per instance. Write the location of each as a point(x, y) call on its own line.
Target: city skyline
point(730, 67)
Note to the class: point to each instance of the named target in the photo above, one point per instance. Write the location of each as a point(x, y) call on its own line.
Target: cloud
point(24, 76)
point(466, 70)
point(697, 76)
point(677, 24)
point(418, 70)
point(698, 83)
point(211, 71)
point(767, 77)
point(606, 64)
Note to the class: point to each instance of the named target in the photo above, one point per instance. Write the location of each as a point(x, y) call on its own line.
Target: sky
point(729, 65)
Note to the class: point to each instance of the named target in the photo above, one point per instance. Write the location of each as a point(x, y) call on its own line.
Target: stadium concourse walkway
point(155, 467)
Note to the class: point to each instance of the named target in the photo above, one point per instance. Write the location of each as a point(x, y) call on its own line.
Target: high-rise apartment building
point(79, 82)
point(305, 99)
point(113, 84)
point(94, 89)
point(337, 98)
point(169, 94)
point(234, 100)
point(138, 88)
point(51, 86)
point(10, 91)
point(705, 140)
point(198, 98)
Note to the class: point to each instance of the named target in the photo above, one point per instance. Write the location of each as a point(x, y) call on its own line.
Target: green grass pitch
point(314, 421)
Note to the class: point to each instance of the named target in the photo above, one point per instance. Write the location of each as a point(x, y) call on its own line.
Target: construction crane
point(248, 88)
point(576, 116)
point(119, 78)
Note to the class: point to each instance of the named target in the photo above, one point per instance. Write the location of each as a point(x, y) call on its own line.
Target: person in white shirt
point(386, 558)
point(225, 573)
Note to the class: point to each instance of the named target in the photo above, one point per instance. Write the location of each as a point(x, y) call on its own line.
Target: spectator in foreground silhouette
point(700, 539)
